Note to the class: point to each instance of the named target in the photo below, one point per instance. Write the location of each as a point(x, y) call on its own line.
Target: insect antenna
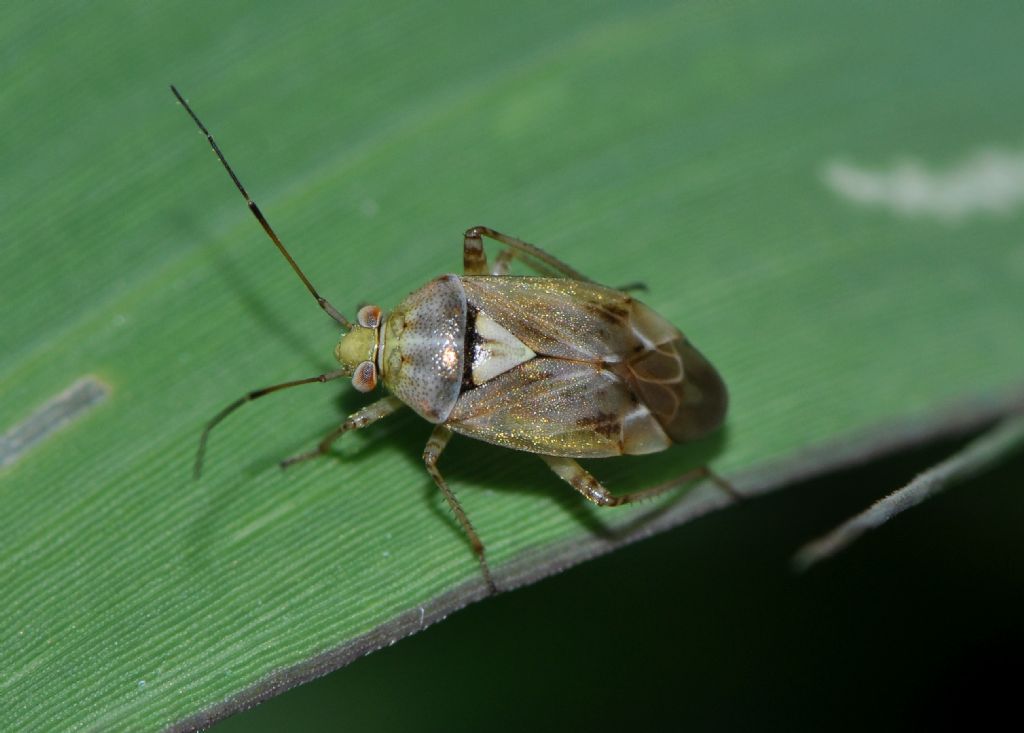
point(321, 301)
point(197, 468)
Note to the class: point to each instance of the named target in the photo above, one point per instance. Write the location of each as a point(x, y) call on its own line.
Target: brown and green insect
point(555, 365)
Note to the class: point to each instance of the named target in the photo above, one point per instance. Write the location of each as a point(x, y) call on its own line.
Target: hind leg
point(581, 480)
point(474, 259)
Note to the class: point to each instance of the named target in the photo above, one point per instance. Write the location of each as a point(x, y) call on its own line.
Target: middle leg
point(438, 440)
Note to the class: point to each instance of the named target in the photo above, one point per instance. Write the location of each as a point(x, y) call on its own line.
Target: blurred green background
point(826, 198)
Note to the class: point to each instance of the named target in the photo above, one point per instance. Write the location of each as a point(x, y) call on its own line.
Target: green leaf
point(825, 199)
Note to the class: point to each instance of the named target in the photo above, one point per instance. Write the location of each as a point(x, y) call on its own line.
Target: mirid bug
point(553, 364)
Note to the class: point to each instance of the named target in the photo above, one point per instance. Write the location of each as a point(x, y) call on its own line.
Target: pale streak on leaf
point(262, 521)
point(979, 455)
point(54, 414)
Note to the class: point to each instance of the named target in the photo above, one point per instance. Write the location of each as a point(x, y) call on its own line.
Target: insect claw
point(492, 589)
point(299, 458)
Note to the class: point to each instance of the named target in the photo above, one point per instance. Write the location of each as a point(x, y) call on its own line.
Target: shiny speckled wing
point(586, 322)
point(559, 407)
point(568, 319)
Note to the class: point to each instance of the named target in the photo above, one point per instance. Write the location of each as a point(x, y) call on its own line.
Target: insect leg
point(254, 395)
point(503, 262)
point(438, 440)
point(581, 480)
point(531, 255)
point(359, 419)
point(474, 259)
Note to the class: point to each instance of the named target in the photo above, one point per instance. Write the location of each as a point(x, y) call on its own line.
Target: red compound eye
point(365, 377)
point(368, 316)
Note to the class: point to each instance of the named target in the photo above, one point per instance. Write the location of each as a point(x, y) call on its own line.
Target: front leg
point(359, 419)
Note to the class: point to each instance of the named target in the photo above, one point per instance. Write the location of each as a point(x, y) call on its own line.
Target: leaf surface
point(749, 164)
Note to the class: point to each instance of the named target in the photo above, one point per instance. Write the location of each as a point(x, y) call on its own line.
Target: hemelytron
point(553, 364)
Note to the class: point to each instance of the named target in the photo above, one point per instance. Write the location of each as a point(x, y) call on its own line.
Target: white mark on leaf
point(369, 208)
point(51, 416)
point(990, 181)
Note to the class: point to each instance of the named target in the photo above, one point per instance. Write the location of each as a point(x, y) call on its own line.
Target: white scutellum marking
point(498, 350)
point(990, 181)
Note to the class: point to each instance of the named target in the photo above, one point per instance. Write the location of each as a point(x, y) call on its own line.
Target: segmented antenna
point(321, 301)
point(197, 467)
